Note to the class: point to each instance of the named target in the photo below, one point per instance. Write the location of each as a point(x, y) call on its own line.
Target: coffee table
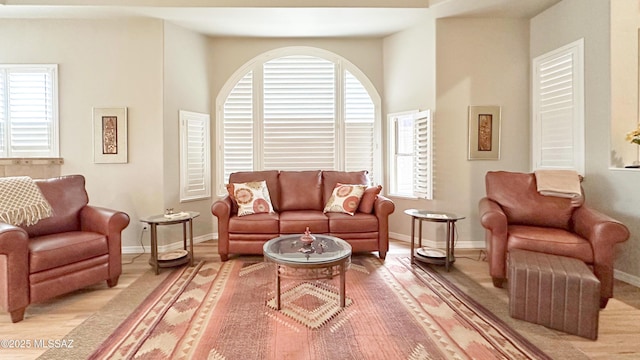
point(327, 257)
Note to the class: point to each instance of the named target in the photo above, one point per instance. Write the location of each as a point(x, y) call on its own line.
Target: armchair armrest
point(382, 208)
point(14, 270)
point(598, 228)
point(603, 232)
point(109, 223)
point(492, 217)
point(494, 220)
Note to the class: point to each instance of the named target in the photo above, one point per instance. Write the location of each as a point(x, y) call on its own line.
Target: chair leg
point(603, 302)
point(497, 282)
point(17, 315)
point(113, 282)
point(382, 254)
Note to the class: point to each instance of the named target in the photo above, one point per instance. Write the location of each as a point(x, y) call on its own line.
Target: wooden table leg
point(154, 247)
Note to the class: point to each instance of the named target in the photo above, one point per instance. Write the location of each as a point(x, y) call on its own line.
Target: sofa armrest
point(222, 209)
point(109, 223)
point(494, 220)
point(14, 270)
point(382, 208)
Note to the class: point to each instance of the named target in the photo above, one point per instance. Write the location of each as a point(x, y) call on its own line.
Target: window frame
point(256, 67)
point(53, 133)
point(576, 132)
point(421, 154)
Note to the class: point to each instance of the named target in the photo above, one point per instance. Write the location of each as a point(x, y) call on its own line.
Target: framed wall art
point(109, 135)
point(484, 133)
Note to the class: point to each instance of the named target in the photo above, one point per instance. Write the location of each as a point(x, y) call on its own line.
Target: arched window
point(298, 108)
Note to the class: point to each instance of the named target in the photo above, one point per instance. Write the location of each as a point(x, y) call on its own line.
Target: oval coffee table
point(325, 258)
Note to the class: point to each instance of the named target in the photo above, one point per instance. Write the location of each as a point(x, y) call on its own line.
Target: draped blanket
point(560, 183)
point(21, 202)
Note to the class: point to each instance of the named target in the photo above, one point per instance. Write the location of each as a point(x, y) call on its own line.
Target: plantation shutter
point(28, 112)
point(238, 126)
point(4, 140)
point(422, 182)
point(299, 114)
point(558, 109)
point(195, 166)
point(359, 126)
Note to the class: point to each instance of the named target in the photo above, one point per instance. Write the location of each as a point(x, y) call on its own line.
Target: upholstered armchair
point(516, 216)
point(78, 245)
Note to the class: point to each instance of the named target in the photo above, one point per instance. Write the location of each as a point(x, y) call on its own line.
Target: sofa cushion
point(518, 196)
point(265, 223)
point(67, 196)
point(251, 197)
point(345, 198)
point(369, 199)
point(300, 190)
point(331, 178)
point(270, 176)
point(56, 250)
point(358, 223)
point(296, 222)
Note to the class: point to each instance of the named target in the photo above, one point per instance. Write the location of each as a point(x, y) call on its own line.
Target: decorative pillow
point(345, 198)
point(369, 198)
point(251, 197)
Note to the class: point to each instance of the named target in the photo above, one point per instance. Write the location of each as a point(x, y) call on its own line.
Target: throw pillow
point(369, 198)
point(345, 198)
point(251, 197)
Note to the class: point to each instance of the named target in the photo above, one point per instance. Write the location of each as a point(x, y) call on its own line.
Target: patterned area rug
point(224, 311)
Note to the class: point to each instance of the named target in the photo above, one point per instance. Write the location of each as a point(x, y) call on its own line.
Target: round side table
point(438, 217)
point(154, 221)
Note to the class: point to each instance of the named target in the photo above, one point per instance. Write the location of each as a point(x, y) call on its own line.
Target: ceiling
point(347, 18)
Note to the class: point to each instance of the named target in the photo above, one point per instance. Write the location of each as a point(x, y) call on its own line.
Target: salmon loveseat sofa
point(77, 246)
point(298, 199)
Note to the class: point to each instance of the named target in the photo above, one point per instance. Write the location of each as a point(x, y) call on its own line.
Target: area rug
point(394, 311)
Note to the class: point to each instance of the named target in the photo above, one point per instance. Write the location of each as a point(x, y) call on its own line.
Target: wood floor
point(619, 332)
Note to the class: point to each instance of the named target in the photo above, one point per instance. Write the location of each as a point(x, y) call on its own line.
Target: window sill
point(31, 161)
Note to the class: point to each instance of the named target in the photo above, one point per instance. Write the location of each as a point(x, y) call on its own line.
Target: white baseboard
point(164, 248)
point(628, 278)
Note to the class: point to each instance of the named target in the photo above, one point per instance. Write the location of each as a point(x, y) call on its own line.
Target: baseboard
point(164, 248)
point(628, 278)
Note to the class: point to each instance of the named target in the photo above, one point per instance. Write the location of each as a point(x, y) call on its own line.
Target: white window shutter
point(558, 109)
point(237, 129)
point(4, 139)
point(423, 179)
point(29, 111)
point(195, 164)
point(359, 120)
point(299, 114)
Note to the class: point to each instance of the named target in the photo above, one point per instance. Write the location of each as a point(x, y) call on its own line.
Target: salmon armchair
point(79, 245)
point(516, 216)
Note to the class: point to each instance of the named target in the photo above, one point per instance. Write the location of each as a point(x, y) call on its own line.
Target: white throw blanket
point(560, 183)
point(21, 201)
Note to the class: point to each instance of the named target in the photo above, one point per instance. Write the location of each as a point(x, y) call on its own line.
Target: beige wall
point(477, 62)
point(612, 191)
point(102, 63)
point(185, 87)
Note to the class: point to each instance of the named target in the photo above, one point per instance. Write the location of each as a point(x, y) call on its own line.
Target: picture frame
point(484, 133)
point(110, 135)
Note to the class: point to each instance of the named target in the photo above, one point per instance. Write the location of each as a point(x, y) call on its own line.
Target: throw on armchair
point(516, 216)
point(77, 246)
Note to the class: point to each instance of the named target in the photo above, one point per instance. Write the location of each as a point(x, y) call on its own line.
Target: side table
point(438, 217)
point(156, 220)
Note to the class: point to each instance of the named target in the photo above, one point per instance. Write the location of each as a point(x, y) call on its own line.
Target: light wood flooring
point(619, 332)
